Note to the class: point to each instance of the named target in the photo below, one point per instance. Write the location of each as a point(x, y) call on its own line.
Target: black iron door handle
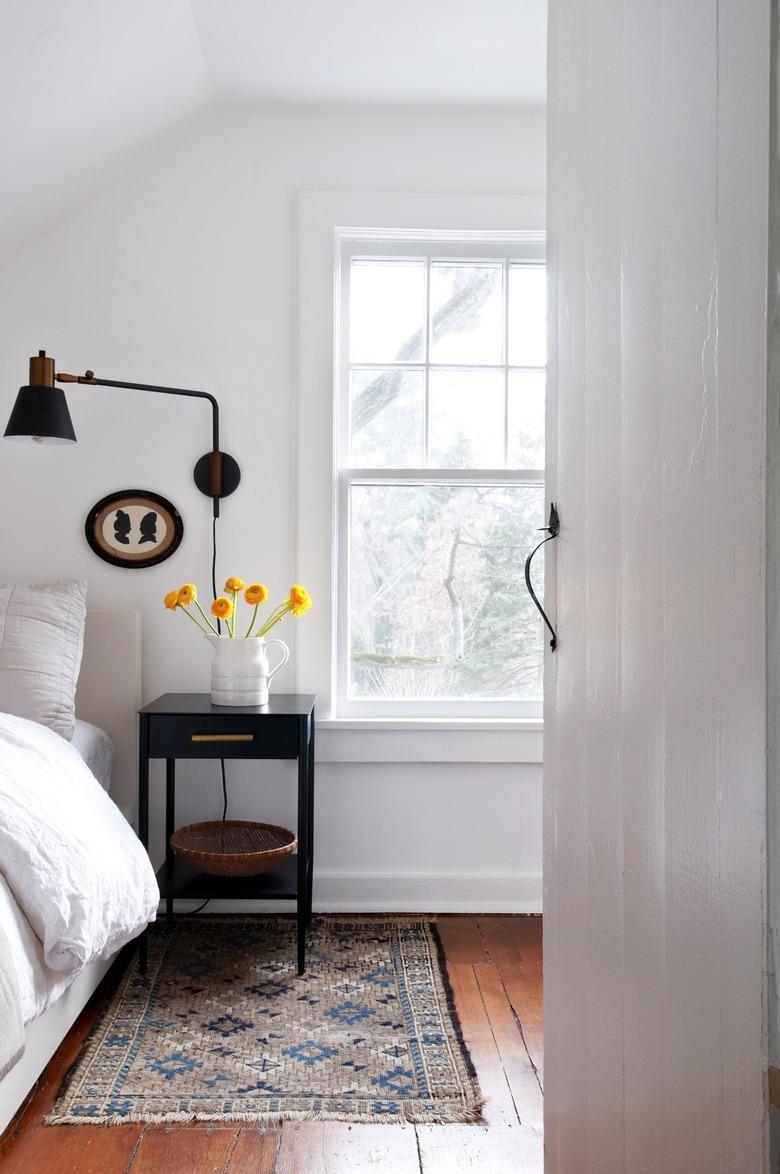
point(551, 530)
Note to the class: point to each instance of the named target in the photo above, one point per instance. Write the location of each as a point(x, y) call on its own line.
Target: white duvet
point(69, 859)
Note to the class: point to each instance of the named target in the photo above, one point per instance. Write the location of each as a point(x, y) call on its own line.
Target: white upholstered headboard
point(109, 694)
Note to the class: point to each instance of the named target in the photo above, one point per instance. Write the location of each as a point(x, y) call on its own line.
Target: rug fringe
point(412, 1115)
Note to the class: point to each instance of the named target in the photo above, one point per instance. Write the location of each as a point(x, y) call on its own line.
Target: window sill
point(429, 740)
point(482, 724)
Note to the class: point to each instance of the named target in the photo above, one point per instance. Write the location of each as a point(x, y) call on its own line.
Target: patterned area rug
point(222, 1028)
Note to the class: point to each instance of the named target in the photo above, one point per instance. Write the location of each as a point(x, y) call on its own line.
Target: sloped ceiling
point(88, 86)
point(361, 52)
point(85, 87)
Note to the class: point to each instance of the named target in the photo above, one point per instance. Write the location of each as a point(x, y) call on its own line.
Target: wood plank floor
point(495, 966)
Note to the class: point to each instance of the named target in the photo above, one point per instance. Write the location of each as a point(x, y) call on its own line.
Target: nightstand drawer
point(215, 736)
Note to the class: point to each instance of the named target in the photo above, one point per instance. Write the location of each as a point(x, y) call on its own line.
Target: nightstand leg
point(170, 814)
point(143, 812)
point(303, 838)
point(310, 815)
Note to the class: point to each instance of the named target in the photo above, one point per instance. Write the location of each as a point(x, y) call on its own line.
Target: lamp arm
point(90, 378)
point(216, 473)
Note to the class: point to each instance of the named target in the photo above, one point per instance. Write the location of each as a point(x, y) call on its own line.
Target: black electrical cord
point(214, 566)
point(192, 912)
point(219, 629)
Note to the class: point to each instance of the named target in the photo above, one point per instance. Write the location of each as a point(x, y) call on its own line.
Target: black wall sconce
point(40, 414)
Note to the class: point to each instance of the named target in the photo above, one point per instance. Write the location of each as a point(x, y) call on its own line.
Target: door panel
point(654, 710)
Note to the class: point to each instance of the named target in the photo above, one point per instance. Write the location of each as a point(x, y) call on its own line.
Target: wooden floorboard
point(499, 1106)
point(461, 938)
point(514, 944)
point(71, 1149)
point(519, 1071)
point(495, 969)
point(333, 1147)
point(181, 1151)
point(254, 1152)
point(469, 1149)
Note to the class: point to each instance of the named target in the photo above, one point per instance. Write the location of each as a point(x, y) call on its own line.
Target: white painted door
point(654, 755)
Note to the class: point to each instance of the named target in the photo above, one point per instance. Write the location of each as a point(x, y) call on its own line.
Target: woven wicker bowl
point(237, 847)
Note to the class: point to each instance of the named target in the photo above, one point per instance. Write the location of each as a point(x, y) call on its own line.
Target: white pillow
point(41, 642)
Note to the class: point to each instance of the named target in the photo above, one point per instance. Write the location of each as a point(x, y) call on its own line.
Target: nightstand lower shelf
point(184, 881)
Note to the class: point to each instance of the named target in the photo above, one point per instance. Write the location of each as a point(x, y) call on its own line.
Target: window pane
point(438, 605)
point(466, 313)
point(466, 419)
point(527, 316)
point(526, 419)
point(388, 413)
point(387, 311)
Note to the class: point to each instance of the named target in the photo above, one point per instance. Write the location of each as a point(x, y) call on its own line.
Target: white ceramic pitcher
point(240, 673)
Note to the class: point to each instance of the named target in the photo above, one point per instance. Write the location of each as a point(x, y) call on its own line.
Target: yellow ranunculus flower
point(187, 594)
point(300, 600)
point(234, 585)
point(256, 594)
point(171, 600)
point(222, 609)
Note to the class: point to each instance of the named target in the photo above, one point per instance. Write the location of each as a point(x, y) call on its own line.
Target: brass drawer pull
point(223, 737)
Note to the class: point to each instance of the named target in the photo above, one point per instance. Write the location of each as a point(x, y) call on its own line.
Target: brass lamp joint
point(87, 377)
point(41, 370)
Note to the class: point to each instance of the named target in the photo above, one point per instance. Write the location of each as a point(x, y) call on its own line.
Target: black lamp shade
point(41, 414)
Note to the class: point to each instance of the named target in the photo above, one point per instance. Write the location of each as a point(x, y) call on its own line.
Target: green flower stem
point(269, 623)
point(206, 618)
point(192, 617)
point(275, 614)
point(252, 622)
point(267, 627)
point(274, 619)
point(233, 624)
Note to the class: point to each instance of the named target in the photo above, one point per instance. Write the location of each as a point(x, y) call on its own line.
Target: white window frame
point(434, 247)
point(325, 218)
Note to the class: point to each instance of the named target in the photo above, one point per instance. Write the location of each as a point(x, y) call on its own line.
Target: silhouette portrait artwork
point(148, 528)
point(122, 527)
point(134, 528)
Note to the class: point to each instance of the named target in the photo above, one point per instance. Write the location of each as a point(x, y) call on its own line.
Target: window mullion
point(506, 362)
point(485, 477)
point(426, 400)
point(390, 365)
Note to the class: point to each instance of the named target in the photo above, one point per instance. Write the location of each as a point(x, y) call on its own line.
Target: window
point(441, 351)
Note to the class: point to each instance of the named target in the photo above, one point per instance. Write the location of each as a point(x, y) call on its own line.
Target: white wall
point(183, 274)
point(655, 807)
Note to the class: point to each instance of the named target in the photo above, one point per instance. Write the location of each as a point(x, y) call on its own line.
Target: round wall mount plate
point(134, 528)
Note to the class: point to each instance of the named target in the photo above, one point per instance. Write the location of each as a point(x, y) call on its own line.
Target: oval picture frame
point(134, 528)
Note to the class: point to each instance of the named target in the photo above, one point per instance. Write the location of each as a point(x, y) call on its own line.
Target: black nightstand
point(187, 725)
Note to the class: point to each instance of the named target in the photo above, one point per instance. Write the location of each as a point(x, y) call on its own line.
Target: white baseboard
point(409, 893)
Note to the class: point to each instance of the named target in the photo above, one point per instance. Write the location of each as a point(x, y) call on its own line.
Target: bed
point(105, 739)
